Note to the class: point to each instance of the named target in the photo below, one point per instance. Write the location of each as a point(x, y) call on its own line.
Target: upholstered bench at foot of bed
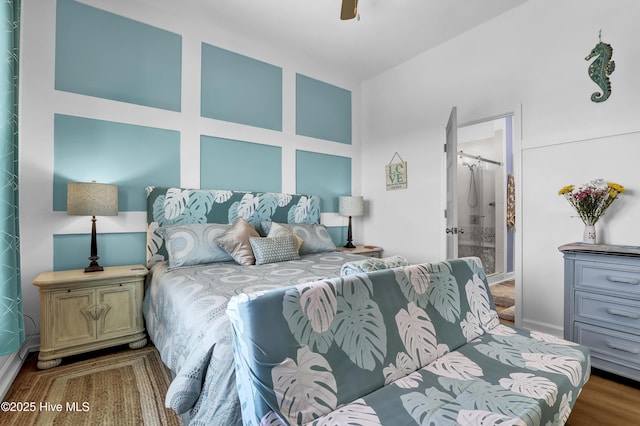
point(420, 344)
point(467, 387)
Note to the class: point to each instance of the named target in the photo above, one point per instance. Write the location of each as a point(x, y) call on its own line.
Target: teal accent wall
point(338, 235)
point(240, 89)
point(108, 56)
point(129, 156)
point(323, 111)
point(72, 251)
point(239, 166)
point(103, 55)
point(328, 176)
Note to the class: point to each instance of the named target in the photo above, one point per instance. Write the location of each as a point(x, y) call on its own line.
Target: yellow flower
point(591, 199)
point(615, 186)
point(565, 189)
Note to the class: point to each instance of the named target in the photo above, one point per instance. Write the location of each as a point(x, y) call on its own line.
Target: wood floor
point(607, 400)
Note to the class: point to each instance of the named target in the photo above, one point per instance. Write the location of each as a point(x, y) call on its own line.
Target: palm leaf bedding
point(419, 344)
point(184, 309)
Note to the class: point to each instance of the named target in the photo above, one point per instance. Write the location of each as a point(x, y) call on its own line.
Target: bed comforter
point(185, 317)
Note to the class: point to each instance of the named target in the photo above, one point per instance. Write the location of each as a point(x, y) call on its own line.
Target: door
point(73, 322)
point(451, 213)
point(120, 314)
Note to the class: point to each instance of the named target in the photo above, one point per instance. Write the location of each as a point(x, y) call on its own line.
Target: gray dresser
point(602, 304)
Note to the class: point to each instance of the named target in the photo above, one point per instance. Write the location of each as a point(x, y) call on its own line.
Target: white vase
point(589, 235)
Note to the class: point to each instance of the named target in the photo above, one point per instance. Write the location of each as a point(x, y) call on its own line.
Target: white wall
point(39, 103)
point(532, 56)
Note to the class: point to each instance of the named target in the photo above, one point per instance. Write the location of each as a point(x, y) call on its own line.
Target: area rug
point(122, 388)
point(503, 293)
point(508, 314)
point(504, 298)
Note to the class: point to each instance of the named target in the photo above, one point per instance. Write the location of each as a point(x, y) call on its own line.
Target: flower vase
point(589, 235)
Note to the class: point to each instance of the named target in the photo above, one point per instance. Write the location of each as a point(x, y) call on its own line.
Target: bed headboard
point(171, 206)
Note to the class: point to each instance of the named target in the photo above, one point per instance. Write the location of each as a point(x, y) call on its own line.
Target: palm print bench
point(419, 344)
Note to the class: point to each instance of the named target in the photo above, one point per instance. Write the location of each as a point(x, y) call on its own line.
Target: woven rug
point(122, 388)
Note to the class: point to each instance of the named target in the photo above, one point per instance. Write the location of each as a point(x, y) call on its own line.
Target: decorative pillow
point(194, 244)
point(265, 227)
point(372, 264)
point(277, 230)
point(274, 249)
point(235, 241)
point(315, 237)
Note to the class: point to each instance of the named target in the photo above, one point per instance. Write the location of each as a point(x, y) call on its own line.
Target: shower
point(472, 199)
point(478, 196)
point(476, 208)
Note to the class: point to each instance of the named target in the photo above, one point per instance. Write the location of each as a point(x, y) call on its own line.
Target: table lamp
point(350, 206)
point(92, 199)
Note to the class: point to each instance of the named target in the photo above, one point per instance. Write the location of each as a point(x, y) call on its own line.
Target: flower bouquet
point(591, 200)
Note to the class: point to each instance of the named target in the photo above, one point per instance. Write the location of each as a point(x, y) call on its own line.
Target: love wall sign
point(396, 174)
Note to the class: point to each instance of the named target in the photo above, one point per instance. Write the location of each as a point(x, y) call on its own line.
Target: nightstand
point(84, 311)
point(370, 251)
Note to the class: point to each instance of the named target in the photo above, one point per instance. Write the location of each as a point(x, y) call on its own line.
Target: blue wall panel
point(323, 111)
point(338, 234)
point(240, 166)
point(328, 176)
point(73, 250)
point(240, 89)
point(131, 157)
point(108, 56)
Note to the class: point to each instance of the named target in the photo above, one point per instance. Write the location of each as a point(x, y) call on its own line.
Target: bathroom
point(485, 179)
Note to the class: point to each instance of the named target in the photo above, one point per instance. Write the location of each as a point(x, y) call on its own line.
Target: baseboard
point(542, 327)
point(11, 364)
point(498, 278)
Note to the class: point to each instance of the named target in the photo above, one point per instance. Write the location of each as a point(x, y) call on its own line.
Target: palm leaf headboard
point(172, 206)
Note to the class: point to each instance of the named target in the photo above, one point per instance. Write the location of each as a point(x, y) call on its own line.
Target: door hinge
point(445, 213)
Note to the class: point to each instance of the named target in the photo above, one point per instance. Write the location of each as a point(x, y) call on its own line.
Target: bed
point(192, 278)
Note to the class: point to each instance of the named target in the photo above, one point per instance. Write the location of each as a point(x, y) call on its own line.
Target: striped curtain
point(11, 319)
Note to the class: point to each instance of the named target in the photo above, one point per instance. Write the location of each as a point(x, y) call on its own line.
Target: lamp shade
point(351, 206)
point(92, 199)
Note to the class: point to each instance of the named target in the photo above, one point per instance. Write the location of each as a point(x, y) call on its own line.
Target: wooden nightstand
point(370, 251)
point(82, 312)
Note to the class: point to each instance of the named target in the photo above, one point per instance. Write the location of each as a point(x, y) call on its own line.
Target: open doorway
point(507, 236)
point(484, 166)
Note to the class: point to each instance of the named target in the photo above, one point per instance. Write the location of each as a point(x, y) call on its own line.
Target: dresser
point(84, 311)
point(602, 304)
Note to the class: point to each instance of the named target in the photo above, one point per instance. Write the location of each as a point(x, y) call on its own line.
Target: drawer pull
point(624, 348)
point(623, 280)
point(625, 314)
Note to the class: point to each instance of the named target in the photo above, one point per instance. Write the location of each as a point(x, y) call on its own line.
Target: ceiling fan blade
point(349, 9)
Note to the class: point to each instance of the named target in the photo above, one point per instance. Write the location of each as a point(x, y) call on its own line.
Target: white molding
point(11, 364)
point(542, 327)
point(333, 219)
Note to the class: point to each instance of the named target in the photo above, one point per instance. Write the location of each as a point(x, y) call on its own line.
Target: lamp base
point(93, 266)
point(349, 236)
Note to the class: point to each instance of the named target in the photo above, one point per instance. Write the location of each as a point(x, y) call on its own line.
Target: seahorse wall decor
point(601, 68)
